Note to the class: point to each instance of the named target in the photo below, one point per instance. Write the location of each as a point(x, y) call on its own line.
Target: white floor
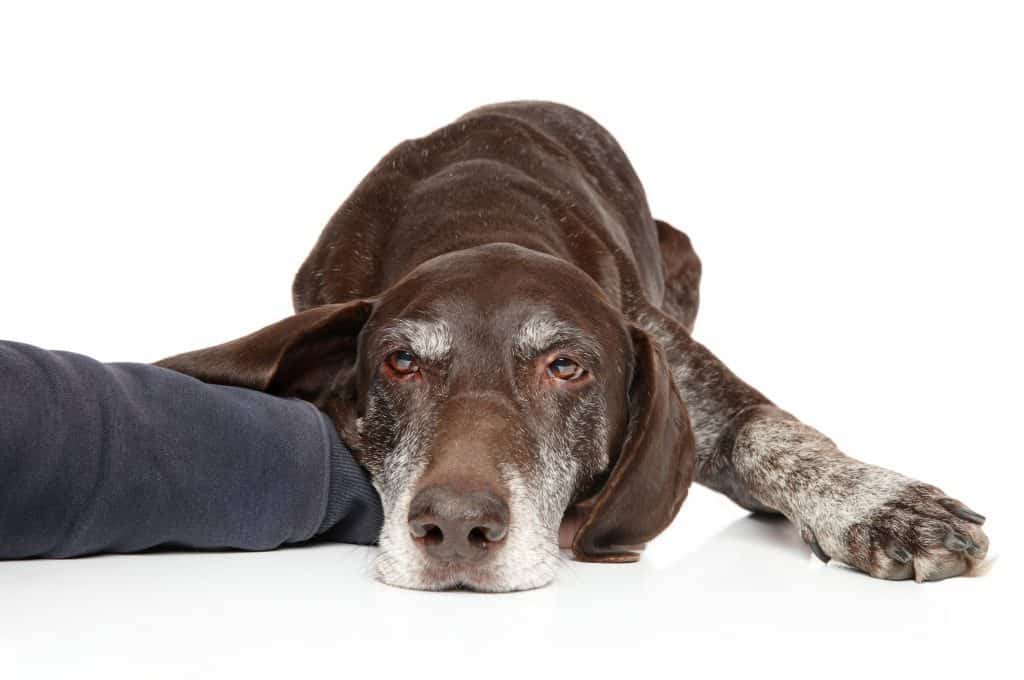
point(719, 592)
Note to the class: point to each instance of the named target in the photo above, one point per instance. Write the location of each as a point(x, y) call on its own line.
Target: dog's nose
point(458, 526)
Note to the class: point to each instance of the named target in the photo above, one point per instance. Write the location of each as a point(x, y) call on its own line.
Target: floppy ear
point(654, 470)
point(300, 356)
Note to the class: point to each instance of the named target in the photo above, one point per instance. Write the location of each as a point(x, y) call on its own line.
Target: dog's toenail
point(962, 511)
point(956, 543)
point(969, 515)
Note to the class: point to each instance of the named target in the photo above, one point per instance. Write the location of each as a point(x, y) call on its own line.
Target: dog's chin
point(480, 579)
point(400, 563)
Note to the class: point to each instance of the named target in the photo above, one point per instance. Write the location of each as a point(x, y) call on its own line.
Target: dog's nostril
point(477, 538)
point(433, 535)
point(480, 537)
point(426, 530)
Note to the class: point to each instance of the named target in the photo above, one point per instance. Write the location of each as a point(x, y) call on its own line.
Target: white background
point(851, 176)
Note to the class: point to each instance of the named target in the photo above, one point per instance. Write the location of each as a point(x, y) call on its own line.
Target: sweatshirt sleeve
point(122, 457)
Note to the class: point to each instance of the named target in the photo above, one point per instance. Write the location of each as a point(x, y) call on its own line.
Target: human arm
point(123, 457)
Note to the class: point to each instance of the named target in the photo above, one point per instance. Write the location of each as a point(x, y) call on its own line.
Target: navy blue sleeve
point(122, 457)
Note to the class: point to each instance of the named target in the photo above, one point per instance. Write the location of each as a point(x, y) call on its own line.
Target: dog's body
point(501, 329)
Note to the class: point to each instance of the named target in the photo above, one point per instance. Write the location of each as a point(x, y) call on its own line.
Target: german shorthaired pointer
point(501, 331)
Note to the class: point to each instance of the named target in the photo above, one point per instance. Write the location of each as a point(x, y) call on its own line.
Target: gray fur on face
point(395, 459)
point(558, 441)
point(429, 339)
point(541, 332)
point(538, 497)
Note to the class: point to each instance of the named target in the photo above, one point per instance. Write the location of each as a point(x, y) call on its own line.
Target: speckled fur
point(767, 461)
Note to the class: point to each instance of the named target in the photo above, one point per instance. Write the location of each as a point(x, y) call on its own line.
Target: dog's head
point(487, 392)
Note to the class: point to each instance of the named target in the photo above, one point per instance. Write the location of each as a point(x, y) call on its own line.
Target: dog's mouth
point(516, 575)
point(484, 579)
point(525, 563)
point(457, 576)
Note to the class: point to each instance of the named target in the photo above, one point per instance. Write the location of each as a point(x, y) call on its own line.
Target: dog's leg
point(879, 521)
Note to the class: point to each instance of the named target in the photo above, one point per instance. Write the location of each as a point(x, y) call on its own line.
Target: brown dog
point(501, 331)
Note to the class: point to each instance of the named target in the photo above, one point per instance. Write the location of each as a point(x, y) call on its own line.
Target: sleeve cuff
point(354, 513)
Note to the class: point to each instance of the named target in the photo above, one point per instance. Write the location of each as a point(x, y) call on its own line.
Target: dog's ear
point(654, 470)
point(303, 355)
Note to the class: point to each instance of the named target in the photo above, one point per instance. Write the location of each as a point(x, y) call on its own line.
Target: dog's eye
point(402, 362)
point(565, 369)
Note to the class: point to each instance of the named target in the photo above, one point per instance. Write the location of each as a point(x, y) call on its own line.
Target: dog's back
point(536, 174)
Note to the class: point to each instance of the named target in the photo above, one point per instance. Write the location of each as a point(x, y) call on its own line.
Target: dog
point(501, 332)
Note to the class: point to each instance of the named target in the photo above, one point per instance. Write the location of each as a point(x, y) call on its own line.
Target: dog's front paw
point(918, 533)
